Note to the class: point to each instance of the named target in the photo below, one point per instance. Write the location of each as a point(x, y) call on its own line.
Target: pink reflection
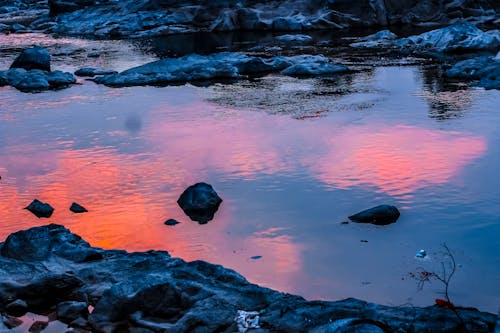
point(396, 160)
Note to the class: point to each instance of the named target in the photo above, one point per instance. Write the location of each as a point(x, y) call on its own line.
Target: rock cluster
point(31, 72)
point(49, 268)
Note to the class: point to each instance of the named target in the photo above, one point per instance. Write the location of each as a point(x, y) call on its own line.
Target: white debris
point(247, 320)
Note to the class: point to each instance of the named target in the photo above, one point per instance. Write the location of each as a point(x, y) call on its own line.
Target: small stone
point(40, 209)
point(38, 326)
point(171, 222)
point(17, 308)
point(379, 215)
point(256, 257)
point(77, 209)
point(200, 202)
point(363, 241)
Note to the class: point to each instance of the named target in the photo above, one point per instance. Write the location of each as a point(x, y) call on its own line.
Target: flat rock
point(379, 215)
point(484, 70)
point(200, 202)
point(40, 209)
point(153, 292)
point(90, 72)
point(171, 222)
point(36, 57)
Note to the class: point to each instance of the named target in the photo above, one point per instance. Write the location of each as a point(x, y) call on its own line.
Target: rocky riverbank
point(140, 18)
point(49, 269)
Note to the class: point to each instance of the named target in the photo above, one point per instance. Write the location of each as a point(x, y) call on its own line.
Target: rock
point(171, 222)
point(382, 38)
point(153, 292)
point(34, 58)
point(17, 308)
point(307, 65)
point(294, 38)
point(16, 27)
point(95, 54)
point(77, 209)
point(58, 79)
point(69, 311)
point(87, 71)
point(226, 65)
point(40, 209)
point(484, 69)
point(38, 326)
point(379, 215)
point(458, 37)
point(9, 322)
point(4, 28)
point(35, 80)
point(200, 202)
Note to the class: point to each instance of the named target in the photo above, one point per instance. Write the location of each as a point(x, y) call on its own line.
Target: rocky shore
point(48, 269)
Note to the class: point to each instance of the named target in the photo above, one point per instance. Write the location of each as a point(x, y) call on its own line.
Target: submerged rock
point(379, 215)
point(77, 209)
point(36, 57)
point(200, 202)
point(90, 72)
point(382, 38)
point(458, 37)
point(151, 291)
point(40, 209)
point(485, 70)
point(225, 65)
point(295, 38)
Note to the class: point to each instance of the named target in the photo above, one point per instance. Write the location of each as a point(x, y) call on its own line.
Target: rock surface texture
point(140, 18)
point(153, 292)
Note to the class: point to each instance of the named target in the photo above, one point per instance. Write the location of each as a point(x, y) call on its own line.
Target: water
point(291, 158)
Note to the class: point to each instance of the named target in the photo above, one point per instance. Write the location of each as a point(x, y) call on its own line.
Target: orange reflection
point(397, 160)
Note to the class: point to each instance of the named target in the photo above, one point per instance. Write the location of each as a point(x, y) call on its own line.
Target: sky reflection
point(286, 183)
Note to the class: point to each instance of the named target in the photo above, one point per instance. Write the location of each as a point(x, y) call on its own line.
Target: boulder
point(70, 310)
point(36, 57)
point(40, 209)
point(35, 80)
point(200, 202)
point(379, 215)
point(458, 37)
point(485, 70)
point(17, 308)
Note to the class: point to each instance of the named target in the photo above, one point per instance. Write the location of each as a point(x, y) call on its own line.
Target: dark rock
point(69, 311)
point(485, 70)
point(80, 323)
point(16, 27)
point(200, 202)
point(171, 222)
point(38, 326)
point(10, 322)
point(40, 209)
point(34, 58)
point(87, 71)
point(58, 79)
point(379, 215)
point(33, 81)
point(17, 308)
point(32, 244)
point(76, 208)
point(153, 292)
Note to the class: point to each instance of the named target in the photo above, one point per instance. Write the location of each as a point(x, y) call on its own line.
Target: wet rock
point(200, 202)
point(58, 79)
point(90, 72)
point(40, 209)
point(223, 65)
point(16, 27)
point(485, 70)
point(4, 28)
point(294, 38)
point(32, 81)
point(34, 58)
point(382, 38)
point(17, 308)
point(77, 209)
point(151, 291)
point(379, 215)
point(69, 311)
point(313, 66)
point(35, 80)
point(38, 326)
point(80, 323)
point(171, 222)
point(458, 37)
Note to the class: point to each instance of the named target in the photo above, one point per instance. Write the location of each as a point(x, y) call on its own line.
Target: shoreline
point(154, 292)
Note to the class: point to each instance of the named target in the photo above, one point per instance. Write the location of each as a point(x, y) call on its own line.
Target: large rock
point(35, 80)
point(225, 65)
point(459, 37)
point(200, 202)
point(379, 215)
point(153, 292)
point(36, 57)
point(485, 70)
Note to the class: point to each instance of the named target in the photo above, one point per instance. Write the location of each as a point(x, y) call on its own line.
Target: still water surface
point(291, 158)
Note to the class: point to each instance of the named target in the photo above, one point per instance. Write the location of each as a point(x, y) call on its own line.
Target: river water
point(291, 158)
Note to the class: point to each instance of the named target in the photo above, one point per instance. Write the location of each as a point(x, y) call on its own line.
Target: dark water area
point(292, 158)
